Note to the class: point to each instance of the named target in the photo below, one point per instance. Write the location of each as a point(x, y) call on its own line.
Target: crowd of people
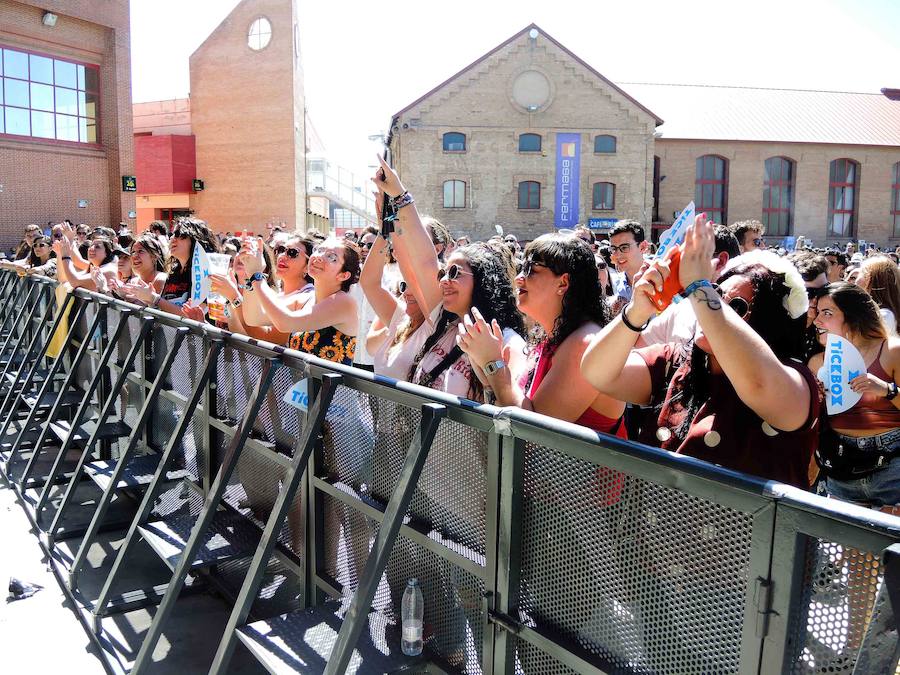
point(568, 326)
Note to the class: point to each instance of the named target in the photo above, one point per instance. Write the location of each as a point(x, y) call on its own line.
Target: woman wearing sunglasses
point(285, 266)
point(176, 292)
point(325, 325)
point(736, 397)
point(475, 276)
point(559, 290)
point(41, 259)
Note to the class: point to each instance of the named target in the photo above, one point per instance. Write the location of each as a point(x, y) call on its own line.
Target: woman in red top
point(559, 290)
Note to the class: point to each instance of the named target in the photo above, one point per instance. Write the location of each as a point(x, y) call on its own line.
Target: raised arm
point(774, 391)
point(383, 302)
point(412, 246)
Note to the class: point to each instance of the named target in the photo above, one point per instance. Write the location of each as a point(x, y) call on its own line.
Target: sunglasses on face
point(181, 235)
point(330, 256)
point(367, 245)
point(601, 266)
point(41, 244)
point(291, 252)
point(452, 273)
point(740, 306)
point(528, 267)
point(621, 248)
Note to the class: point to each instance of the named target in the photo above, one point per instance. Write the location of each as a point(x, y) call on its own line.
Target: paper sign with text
point(675, 234)
point(298, 395)
point(843, 362)
point(200, 283)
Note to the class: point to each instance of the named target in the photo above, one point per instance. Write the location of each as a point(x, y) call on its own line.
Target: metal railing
point(308, 493)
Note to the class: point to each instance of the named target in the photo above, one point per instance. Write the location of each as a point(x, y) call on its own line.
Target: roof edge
point(507, 42)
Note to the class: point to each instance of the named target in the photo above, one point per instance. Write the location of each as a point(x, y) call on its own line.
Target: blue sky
point(363, 63)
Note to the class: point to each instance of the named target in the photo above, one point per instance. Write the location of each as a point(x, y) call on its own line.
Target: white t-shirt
point(677, 323)
point(395, 360)
point(455, 378)
point(366, 318)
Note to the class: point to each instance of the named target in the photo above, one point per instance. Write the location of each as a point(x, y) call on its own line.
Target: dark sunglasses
point(367, 245)
point(528, 267)
point(291, 252)
point(601, 266)
point(181, 235)
point(452, 273)
point(402, 286)
point(740, 306)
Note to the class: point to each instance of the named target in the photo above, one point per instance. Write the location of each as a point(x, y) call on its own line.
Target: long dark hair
point(33, 260)
point(199, 233)
point(860, 311)
point(492, 294)
point(307, 246)
point(152, 245)
point(880, 278)
point(768, 317)
point(583, 301)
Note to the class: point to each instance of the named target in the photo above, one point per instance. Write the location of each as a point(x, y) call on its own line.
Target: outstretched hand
point(697, 252)
point(137, 290)
point(387, 180)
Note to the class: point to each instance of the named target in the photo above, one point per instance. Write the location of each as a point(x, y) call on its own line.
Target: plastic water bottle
point(413, 614)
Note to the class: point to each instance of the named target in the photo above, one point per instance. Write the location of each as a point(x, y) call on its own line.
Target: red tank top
point(590, 418)
point(872, 411)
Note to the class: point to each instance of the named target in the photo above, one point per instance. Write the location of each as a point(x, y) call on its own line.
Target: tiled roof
point(785, 115)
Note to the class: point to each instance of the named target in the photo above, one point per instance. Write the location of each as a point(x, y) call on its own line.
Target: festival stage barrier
point(307, 494)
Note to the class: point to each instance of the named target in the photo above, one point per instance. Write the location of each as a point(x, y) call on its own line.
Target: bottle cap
point(412, 582)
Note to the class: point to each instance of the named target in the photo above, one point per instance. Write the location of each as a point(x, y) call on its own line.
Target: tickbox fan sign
point(675, 234)
point(200, 283)
point(843, 362)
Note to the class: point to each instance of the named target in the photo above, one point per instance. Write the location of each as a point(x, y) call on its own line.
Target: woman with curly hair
point(325, 325)
point(475, 276)
point(559, 290)
point(738, 396)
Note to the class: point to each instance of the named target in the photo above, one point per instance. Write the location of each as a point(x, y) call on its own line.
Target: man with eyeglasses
point(749, 234)
point(627, 247)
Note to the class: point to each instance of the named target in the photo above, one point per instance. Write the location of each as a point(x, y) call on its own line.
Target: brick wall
point(43, 181)
point(481, 104)
point(164, 164)
point(746, 177)
point(247, 116)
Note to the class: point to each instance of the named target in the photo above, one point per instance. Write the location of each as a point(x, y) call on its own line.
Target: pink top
point(590, 418)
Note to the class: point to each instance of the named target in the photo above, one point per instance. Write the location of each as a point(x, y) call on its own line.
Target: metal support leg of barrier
point(80, 414)
point(505, 602)
point(24, 319)
point(291, 483)
point(210, 505)
point(7, 286)
point(146, 508)
point(15, 365)
point(70, 377)
point(121, 464)
point(126, 367)
point(42, 390)
point(16, 333)
point(14, 394)
point(12, 311)
point(356, 616)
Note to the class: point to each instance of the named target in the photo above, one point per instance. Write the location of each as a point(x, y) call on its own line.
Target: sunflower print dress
point(328, 343)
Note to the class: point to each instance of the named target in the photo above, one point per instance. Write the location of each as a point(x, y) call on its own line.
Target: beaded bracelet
point(400, 201)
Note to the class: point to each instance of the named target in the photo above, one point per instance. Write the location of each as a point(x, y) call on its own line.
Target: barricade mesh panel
point(237, 374)
point(530, 659)
point(279, 422)
point(281, 590)
point(453, 597)
point(839, 593)
point(640, 575)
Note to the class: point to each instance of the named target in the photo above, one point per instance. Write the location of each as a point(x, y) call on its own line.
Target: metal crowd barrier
point(166, 468)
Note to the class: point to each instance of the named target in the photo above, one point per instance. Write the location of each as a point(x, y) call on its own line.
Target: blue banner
point(568, 180)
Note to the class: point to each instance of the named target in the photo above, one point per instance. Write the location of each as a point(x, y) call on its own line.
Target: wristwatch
point(256, 276)
point(892, 391)
point(237, 302)
point(492, 367)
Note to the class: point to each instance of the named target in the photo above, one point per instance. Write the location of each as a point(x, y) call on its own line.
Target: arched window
point(529, 194)
point(711, 187)
point(604, 196)
point(843, 180)
point(454, 194)
point(454, 142)
point(778, 196)
point(605, 144)
point(529, 143)
point(895, 199)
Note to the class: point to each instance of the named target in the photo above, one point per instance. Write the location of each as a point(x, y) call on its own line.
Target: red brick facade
point(44, 180)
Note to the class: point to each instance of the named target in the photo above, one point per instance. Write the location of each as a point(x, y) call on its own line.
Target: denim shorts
point(879, 488)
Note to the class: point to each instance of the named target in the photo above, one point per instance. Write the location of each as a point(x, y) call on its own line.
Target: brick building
point(65, 118)
point(487, 147)
point(241, 132)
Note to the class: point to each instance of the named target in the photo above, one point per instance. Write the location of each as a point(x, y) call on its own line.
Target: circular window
point(260, 34)
point(531, 90)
